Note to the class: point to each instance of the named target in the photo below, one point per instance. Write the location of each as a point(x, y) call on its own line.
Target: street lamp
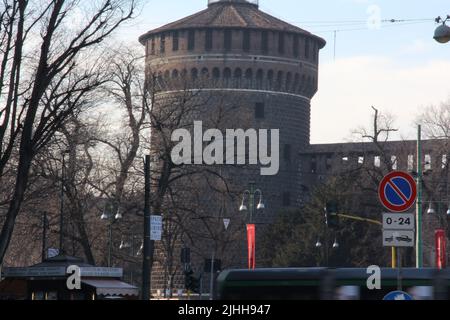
point(335, 244)
point(251, 228)
point(431, 209)
point(318, 244)
point(112, 219)
point(251, 193)
point(442, 33)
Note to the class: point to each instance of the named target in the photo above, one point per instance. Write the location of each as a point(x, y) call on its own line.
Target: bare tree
point(41, 79)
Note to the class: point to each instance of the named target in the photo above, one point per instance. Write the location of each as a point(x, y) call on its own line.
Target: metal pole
point(201, 286)
point(419, 252)
point(211, 284)
point(252, 208)
point(394, 258)
point(327, 257)
point(61, 212)
point(44, 235)
point(399, 270)
point(148, 244)
point(109, 243)
point(251, 200)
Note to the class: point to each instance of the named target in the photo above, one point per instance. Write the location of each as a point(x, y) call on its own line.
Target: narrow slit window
point(377, 161)
point(265, 41)
point(428, 166)
point(175, 41)
point(410, 163)
point(246, 41)
point(208, 40)
point(394, 162)
point(227, 40)
point(191, 40)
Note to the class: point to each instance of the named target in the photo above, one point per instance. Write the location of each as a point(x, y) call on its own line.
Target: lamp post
point(442, 232)
point(125, 244)
point(442, 33)
point(61, 209)
point(109, 216)
point(251, 194)
point(432, 211)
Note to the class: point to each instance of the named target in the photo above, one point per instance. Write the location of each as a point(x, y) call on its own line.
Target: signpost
point(226, 223)
point(398, 192)
point(155, 227)
point(398, 238)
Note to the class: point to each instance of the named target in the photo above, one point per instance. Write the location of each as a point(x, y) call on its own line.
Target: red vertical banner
point(251, 246)
point(441, 249)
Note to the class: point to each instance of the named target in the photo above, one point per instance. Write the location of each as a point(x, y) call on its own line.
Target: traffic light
point(190, 282)
point(331, 214)
point(186, 255)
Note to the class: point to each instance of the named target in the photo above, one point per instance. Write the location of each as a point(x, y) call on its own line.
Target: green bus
point(331, 284)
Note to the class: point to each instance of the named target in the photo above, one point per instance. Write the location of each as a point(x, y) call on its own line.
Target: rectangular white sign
point(399, 221)
point(398, 238)
point(155, 227)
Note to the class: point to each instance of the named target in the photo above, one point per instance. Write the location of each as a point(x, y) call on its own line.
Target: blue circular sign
point(398, 191)
point(398, 296)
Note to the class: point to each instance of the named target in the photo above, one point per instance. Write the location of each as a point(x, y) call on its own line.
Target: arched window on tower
point(167, 75)
point(194, 74)
point(175, 74)
point(309, 84)
point(183, 77)
point(160, 80)
point(259, 79)
point(216, 74)
point(279, 83)
point(249, 78)
point(226, 76)
point(270, 75)
point(205, 77)
point(303, 84)
point(296, 83)
point(288, 81)
point(237, 77)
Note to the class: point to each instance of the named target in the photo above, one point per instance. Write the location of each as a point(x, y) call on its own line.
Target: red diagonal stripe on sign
point(398, 191)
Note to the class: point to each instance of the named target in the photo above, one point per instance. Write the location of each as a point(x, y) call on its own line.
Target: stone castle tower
point(245, 52)
point(236, 51)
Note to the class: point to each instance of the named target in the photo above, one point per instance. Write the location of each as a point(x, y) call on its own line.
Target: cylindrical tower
point(234, 47)
point(232, 51)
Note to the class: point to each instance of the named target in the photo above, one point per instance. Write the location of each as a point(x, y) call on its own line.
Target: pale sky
point(397, 68)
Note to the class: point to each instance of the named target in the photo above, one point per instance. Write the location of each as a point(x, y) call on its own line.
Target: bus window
point(421, 293)
point(348, 293)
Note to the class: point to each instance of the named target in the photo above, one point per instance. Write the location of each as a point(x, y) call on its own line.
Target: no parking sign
point(398, 191)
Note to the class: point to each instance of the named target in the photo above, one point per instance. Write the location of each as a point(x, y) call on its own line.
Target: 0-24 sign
point(398, 221)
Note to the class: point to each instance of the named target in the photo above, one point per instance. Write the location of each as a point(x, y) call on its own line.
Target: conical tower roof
point(231, 14)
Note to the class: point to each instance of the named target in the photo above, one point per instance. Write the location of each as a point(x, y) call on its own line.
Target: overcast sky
point(396, 67)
